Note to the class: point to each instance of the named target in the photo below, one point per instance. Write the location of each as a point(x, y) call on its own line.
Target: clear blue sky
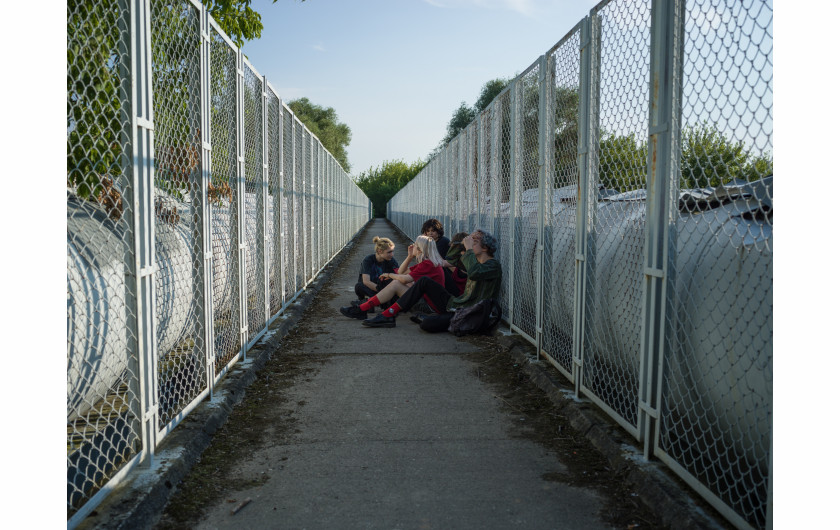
point(395, 70)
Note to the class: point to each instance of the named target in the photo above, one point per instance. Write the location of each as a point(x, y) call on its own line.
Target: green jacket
point(484, 280)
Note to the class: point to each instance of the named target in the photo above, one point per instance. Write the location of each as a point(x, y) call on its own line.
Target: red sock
point(392, 311)
point(370, 304)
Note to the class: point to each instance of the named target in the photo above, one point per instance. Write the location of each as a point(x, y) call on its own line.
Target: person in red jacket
point(429, 264)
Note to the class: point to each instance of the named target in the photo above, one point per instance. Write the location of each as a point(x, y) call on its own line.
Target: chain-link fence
point(230, 187)
point(659, 311)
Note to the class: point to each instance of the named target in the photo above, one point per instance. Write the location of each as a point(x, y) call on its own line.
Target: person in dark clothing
point(374, 266)
point(484, 281)
point(432, 228)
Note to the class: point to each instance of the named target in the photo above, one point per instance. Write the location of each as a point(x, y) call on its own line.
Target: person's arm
point(404, 267)
point(367, 282)
point(404, 279)
point(480, 271)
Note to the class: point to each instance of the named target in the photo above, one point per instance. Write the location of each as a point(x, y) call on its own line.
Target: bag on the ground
point(479, 318)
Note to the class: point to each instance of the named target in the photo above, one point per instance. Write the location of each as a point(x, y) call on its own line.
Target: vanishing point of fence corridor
point(627, 174)
point(199, 207)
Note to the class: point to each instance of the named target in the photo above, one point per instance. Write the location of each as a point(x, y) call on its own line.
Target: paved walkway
point(393, 429)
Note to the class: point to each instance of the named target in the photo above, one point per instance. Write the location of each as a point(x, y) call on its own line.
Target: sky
point(396, 70)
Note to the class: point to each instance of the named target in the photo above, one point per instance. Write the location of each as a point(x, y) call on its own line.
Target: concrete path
point(393, 429)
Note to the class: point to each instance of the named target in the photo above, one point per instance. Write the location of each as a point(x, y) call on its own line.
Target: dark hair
point(488, 241)
point(432, 224)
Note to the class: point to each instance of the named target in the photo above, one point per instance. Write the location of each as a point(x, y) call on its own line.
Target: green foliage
point(237, 19)
point(622, 162)
point(462, 117)
point(384, 182)
point(323, 123)
point(711, 159)
point(464, 114)
point(489, 91)
point(708, 159)
point(98, 94)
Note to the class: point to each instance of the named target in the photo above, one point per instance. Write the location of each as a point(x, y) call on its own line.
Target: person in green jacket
point(484, 281)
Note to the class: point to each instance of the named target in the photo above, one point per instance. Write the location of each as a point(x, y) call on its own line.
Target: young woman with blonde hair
point(373, 266)
point(429, 263)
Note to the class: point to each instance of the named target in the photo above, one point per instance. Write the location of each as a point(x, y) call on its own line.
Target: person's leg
point(449, 279)
point(394, 288)
point(363, 291)
point(436, 293)
point(436, 323)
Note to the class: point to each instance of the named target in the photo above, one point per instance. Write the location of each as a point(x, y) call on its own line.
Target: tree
point(99, 89)
point(384, 182)
point(489, 91)
point(709, 158)
point(323, 123)
point(463, 115)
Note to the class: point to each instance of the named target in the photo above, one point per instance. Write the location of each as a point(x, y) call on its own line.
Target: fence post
point(662, 186)
point(144, 267)
point(495, 131)
point(280, 201)
point(513, 195)
point(543, 171)
point(313, 266)
point(240, 202)
point(265, 186)
point(587, 182)
point(480, 172)
point(206, 209)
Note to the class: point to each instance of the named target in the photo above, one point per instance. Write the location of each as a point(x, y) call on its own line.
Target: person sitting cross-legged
point(484, 281)
point(429, 265)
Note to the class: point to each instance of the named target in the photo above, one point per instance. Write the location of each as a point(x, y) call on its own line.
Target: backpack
point(479, 318)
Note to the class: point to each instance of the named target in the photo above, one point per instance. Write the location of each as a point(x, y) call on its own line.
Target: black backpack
point(479, 318)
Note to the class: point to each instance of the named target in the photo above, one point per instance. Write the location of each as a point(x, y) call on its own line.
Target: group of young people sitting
point(447, 276)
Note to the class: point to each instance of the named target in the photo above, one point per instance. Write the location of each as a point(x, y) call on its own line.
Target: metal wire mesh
point(274, 226)
point(103, 430)
point(717, 387)
point(526, 206)
point(715, 402)
point(180, 139)
point(289, 215)
point(502, 109)
point(559, 243)
point(300, 230)
point(222, 198)
point(254, 194)
point(614, 274)
point(179, 282)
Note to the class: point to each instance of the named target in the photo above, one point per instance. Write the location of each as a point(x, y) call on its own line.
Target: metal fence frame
point(112, 431)
point(628, 347)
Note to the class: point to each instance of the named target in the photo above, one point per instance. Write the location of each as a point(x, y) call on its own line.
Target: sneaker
point(418, 318)
point(356, 303)
point(353, 311)
point(380, 321)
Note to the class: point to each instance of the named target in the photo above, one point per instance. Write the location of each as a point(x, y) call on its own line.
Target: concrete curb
point(138, 502)
point(651, 480)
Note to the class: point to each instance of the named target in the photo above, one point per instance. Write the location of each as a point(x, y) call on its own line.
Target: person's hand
point(468, 242)
point(411, 249)
point(384, 276)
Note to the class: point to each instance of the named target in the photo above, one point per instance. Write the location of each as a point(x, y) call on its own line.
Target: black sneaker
point(356, 303)
point(380, 321)
point(353, 311)
point(418, 318)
